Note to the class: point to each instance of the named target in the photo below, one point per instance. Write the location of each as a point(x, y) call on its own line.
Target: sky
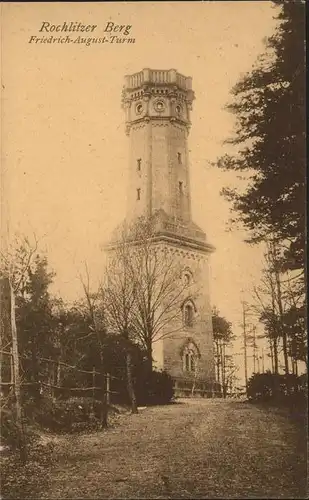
point(65, 152)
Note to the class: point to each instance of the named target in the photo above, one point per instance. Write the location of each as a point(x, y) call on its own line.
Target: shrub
point(73, 414)
point(9, 433)
point(282, 389)
point(9, 430)
point(19, 480)
point(157, 389)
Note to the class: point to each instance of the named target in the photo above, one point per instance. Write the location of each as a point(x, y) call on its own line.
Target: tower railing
point(158, 76)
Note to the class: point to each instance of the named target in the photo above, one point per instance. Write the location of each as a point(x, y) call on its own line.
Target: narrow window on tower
point(179, 158)
point(188, 315)
point(138, 194)
point(139, 164)
point(180, 186)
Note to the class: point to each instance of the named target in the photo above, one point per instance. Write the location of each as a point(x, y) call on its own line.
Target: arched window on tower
point(190, 358)
point(187, 278)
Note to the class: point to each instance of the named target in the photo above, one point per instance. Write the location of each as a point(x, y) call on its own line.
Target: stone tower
point(157, 106)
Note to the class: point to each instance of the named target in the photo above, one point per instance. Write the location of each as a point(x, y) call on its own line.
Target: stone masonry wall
point(163, 178)
point(169, 349)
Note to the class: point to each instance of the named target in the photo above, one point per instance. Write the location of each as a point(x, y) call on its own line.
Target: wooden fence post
point(93, 390)
point(108, 381)
point(12, 371)
point(54, 379)
point(104, 412)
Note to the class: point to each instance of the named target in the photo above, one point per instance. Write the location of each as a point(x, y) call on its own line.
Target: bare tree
point(268, 315)
point(295, 320)
point(280, 303)
point(151, 289)
point(271, 304)
point(160, 289)
point(16, 262)
point(95, 313)
point(230, 370)
point(223, 336)
point(119, 300)
point(275, 267)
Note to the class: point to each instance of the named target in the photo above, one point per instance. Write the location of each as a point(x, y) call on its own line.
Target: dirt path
point(197, 449)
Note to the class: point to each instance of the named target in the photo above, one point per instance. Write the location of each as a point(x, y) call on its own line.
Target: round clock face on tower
point(178, 109)
point(139, 108)
point(159, 105)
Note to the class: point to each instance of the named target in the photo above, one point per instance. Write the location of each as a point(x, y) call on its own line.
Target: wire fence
point(100, 387)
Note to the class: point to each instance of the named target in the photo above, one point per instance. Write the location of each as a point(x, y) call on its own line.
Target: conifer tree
point(269, 107)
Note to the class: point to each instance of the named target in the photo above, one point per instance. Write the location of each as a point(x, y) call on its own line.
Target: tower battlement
point(157, 94)
point(158, 77)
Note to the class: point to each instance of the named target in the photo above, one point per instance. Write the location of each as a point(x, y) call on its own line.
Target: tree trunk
point(231, 386)
point(130, 385)
point(35, 373)
point(149, 359)
point(195, 378)
point(148, 371)
point(271, 354)
point(104, 410)
point(1, 343)
point(57, 368)
point(283, 330)
point(258, 365)
point(285, 353)
point(148, 364)
point(276, 355)
point(218, 365)
point(52, 379)
point(245, 345)
point(17, 387)
point(294, 367)
point(222, 355)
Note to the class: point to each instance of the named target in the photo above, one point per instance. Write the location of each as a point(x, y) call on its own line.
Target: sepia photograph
point(153, 317)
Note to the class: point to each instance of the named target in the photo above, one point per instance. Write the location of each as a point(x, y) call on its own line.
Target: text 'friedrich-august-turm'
point(116, 33)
